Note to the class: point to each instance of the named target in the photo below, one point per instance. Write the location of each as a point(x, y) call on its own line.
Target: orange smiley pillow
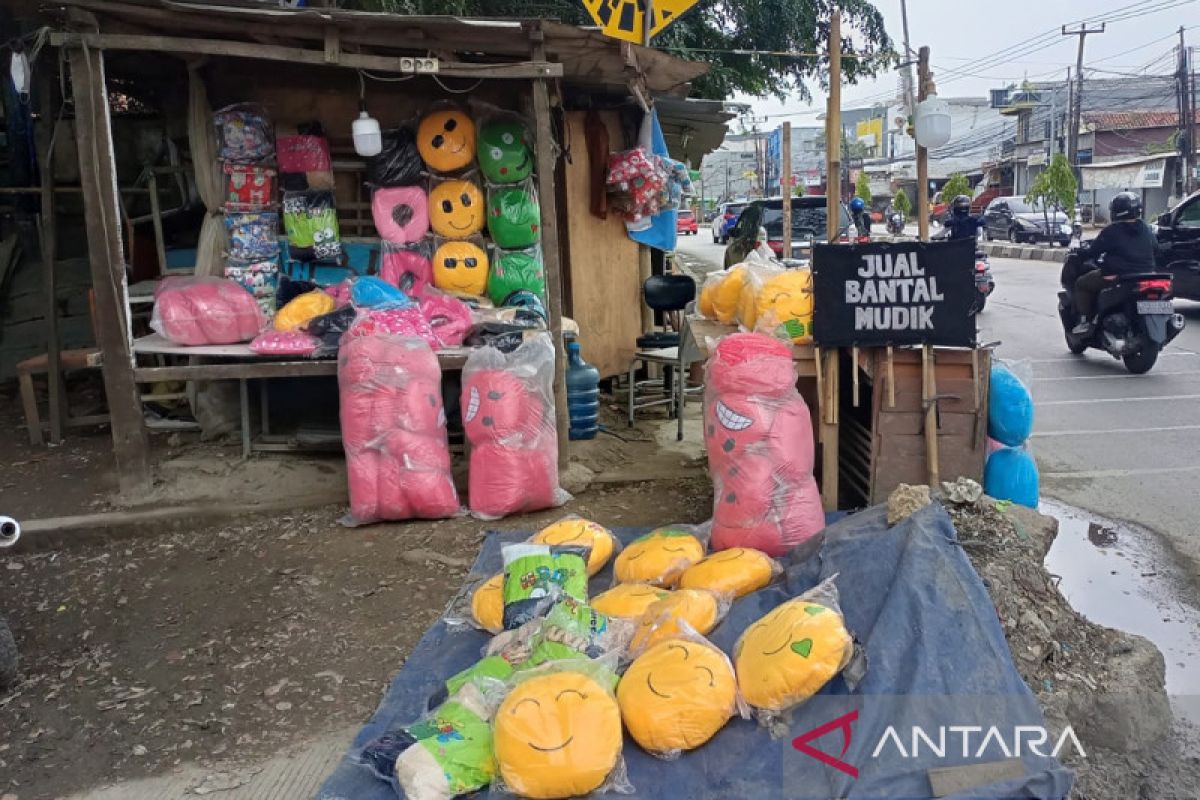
point(628, 600)
point(487, 604)
point(678, 614)
point(456, 209)
point(446, 140)
point(736, 571)
point(460, 268)
point(790, 653)
point(557, 735)
point(581, 533)
point(677, 695)
point(659, 557)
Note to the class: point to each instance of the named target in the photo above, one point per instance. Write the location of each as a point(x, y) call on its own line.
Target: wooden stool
point(83, 358)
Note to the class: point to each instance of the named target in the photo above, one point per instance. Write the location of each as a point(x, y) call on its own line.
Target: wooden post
point(922, 153)
point(929, 396)
point(160, 244)
point(833, 131)
point(854, 374)
point(49, 245)
point(829, 431)
point(891, 377)
point(93, 134)
point(548, 199)
point(785, 181)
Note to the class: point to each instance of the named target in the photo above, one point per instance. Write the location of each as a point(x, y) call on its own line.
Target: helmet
point(857, 205)
point(1125, 206)
point(960, 206)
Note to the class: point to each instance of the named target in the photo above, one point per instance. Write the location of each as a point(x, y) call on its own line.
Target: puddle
point(1120, 576)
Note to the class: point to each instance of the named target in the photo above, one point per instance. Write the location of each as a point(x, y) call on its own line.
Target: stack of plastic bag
point(759, 438)
point(508, 414)
point(1010, 472)
point(394, 430)
point(201, 311)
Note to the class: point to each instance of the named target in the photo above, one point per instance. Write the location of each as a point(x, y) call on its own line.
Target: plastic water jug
point(583, 394)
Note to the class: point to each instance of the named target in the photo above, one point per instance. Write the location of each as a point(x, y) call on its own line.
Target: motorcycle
point(1135, 316)
point(10, 532)
point(895, 223)
point(984, 284)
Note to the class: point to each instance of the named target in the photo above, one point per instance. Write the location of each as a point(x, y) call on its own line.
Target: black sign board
point(894, 293)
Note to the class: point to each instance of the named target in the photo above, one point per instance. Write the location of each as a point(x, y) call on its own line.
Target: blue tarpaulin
point(936, 662)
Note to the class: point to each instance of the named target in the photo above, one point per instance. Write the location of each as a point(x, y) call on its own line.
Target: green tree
point(724, 33)
point(902, 203)
point(1054, 187)
point(958, 184)
point(862, 188)
point(798, 189)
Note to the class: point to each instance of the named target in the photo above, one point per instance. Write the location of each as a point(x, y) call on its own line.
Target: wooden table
point(238, 362)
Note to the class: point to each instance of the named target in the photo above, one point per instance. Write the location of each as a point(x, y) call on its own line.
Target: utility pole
point(1077, 106)
point(909, 91)
point(833, 134)
point(1187, 144)
point(785, 181)
point(923, 81)
point(1195, 180)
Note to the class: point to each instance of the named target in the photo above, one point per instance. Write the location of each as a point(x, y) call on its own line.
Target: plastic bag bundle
point(505, 150)
point(310, 220)
point(278, 343)
point(407, 321)
point(340, 291)
point(558, 732)
point(248, 188)
point(244, 134)
point(259, 278)
point(400, 213)
point(635, 183)
point(446, 139)
point(759, 439)
point(516, 270)
point(1010, 407)
point(448, 317)
point(371, 292)
point(299, 310)
point(456, 208)
point(755, 276)
point(198, 311)
point(329, 328)
point(394, 430)
point(407, 266)
point(508, 414)
point(1011, 473)
point(304, 162)
point(253, 235)
point(445, 754)
point(460, 266)
point(398, 163)
point(514, 217)
point(721, 293)
point(678, 183)
point(786, 656)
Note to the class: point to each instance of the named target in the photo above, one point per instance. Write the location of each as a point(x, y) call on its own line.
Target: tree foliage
point(902, 203)
point(958, 184)
point(862, 188)
point(1054, 187)
point(712, 29)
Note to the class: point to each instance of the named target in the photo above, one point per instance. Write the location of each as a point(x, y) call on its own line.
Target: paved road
point(1122, 446)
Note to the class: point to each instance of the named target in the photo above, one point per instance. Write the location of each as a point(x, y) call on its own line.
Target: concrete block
point(1130, 711)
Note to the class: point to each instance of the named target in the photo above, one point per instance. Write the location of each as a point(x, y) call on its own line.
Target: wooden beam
point(300, 55)
point(333, 45)
point(97, 167)
point(547, 161)
point(49, 245)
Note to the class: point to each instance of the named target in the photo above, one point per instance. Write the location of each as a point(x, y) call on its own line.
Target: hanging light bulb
point(368, 138)
point(932, 122)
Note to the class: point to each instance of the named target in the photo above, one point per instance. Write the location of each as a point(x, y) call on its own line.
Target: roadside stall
point(331, 145)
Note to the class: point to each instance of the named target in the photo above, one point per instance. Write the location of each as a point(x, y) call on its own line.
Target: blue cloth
point(661, 233)
point(935, 655)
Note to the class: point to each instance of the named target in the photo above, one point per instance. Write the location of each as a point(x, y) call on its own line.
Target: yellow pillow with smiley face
point(736, 571)
point(628, 600)
point(582, 533)
point(677, 695)
point(786, 302)
point(446, 140)
point(460, 267)
point(663, 621)
point(659, 557)
point(790, 653)
point(557, 734)
point(487, 604)
point(456, 209)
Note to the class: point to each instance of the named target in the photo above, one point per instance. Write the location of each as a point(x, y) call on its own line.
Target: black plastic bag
point(500, 335)
point(289, 289)
point(329, 329)
point(398, 163)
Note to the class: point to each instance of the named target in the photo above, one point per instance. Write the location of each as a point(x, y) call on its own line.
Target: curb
point(996, 250)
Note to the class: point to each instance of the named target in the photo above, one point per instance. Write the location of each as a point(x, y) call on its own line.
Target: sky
point(977, 45)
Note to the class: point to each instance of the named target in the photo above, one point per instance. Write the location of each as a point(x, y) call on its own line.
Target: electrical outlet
point(426, 66)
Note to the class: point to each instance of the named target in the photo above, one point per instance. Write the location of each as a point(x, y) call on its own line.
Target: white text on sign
point(890, 279)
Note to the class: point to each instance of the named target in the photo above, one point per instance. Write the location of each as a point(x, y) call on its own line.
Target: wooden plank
point(299, 55)
point(891, 423)
point(829, 433)
point(901, 459)
point(237, 371)
point(97, 166)
point(546, 161)
point(929, 398)
point(602, 262)
point(49, 238)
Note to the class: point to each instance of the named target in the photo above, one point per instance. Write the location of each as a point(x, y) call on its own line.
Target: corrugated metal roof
point(1129, 120)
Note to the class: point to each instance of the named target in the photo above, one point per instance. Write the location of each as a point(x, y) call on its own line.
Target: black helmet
point(960, 206)
point(1125, 206)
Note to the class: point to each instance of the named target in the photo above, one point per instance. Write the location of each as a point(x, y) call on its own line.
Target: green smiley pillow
point(504, 153)
point(514, 217)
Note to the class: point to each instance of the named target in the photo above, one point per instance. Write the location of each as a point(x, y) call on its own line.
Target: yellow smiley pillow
point(677, 695)
point(678, 614)
point(659, 557)
point(736, 571)
point(628, 600)
point(788, 655)
point(557, 735)
point(582, 533)
point(487, 604)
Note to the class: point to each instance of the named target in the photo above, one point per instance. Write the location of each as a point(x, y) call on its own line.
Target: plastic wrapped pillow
point(371, 292)
point(253, 235)
point(303, 153)
point(659, 557)
point(328, 328)
point(297, 313)
point(248, 188)
point(727, 293)
point(736, 572)
point(259, 278)
point(504, 151)
point(400, 213)
point(514, 217)
point(310, 220)
point(1011, 473)
point(784, 306)
point(407, 266)
point(487, 604)
point(536, 576)
point(278, 343)
point(574, 530)
point(407, 322)
point(514, 271)
point(446, 139)
point(628, 600)
point(681, 611)
point(204, 311)
point(448, 316)
point(461, 266)
point(244, 134)
point(398, 163)
point(456, 208)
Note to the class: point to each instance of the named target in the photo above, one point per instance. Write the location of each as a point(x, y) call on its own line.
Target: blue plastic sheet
point(935, 653)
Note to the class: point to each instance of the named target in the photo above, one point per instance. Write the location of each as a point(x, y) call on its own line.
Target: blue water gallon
point(583, 394)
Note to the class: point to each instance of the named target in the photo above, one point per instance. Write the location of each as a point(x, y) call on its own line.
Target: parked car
point(939, 207)
point(1010, 217)
point(1178, 233)
point(685, 223)
point(727, 214)
point(808, 226)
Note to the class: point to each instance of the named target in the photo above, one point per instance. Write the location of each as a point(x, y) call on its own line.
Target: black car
point(1013, 219)
point(1179, 245)
point(808, 225)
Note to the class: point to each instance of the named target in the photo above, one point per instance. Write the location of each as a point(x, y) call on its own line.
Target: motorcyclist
point(862, 220)
point(1128, 246)
point(961, 224)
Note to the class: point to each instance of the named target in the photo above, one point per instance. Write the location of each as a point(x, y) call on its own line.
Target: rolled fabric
point(401, 213)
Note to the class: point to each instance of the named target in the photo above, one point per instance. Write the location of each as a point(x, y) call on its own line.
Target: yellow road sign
point(625, 19)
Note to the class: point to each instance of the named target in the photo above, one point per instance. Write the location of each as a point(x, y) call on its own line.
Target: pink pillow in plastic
point(401, 213)
point(205, 311)
point(279, 343)
point(449, 317)
point(410, 270)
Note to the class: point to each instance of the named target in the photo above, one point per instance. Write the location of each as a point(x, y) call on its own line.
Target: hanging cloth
point(660, 233)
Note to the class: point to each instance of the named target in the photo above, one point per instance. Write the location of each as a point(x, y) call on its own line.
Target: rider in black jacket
point(1128, 246)
point(961, 224)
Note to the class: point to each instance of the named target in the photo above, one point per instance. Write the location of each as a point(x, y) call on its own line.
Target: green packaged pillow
point(514, 217)
point(514, 270)
point(504, 152)
point(536, 576)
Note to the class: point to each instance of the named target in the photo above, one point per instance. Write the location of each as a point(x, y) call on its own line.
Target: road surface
point(1120, 445)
